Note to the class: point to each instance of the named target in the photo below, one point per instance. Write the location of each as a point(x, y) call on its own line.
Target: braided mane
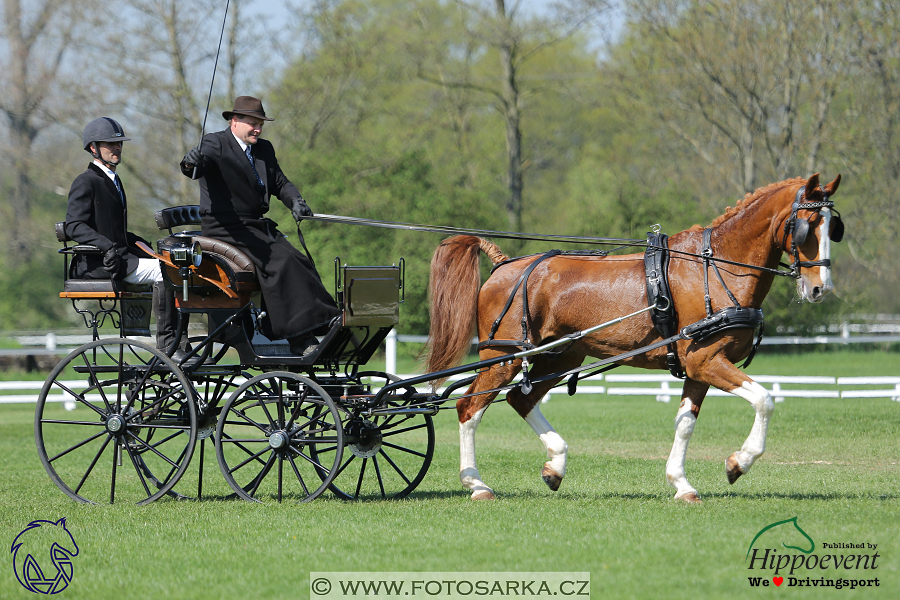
point(750, 198)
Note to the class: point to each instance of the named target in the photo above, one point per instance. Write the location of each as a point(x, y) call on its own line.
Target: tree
point(516, 40)
point(38, 37)
point(753, 81)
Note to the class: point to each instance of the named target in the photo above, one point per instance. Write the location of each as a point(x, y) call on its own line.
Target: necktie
point(118, 183)
point(253, 166)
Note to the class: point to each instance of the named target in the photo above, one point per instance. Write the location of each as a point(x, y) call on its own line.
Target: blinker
point(801, 230)
point(837, 232)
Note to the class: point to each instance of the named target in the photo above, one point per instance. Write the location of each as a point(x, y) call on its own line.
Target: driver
point(238, 173)
point(97, 214)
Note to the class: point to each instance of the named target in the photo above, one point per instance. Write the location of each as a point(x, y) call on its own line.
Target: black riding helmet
point(102, 129)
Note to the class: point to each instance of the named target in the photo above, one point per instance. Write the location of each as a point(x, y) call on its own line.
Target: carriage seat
point(221, 261)
point(136, 300)
point(91, 288)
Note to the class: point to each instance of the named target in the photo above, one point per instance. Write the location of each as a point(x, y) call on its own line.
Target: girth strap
point(659, 296)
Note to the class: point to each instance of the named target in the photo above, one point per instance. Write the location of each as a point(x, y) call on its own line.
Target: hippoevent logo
point(782, 553)
point(42, 556)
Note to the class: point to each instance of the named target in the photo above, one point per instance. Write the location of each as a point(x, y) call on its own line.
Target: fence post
point(51, 341)
point(664, 396)
point(390, 352)
point(776, 387)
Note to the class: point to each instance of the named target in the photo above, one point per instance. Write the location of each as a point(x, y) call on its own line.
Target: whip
point(211, 82)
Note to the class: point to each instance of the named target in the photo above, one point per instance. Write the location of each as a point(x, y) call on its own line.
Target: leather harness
point(664, 317)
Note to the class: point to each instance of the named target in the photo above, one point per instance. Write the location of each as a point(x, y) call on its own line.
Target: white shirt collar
point(109, 172)
point(242, 144)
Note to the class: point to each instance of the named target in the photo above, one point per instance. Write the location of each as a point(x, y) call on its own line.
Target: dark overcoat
point(96, 215)
point(232, 209)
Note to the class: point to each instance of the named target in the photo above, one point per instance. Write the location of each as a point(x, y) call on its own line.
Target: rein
point(511, 235)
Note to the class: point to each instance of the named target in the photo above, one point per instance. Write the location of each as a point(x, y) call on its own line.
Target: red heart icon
point(778, 580)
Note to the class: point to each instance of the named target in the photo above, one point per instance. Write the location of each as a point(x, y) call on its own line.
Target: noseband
point(799, 230)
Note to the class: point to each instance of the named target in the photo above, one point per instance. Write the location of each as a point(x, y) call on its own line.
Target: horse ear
point(812, 185)
point(832, 187)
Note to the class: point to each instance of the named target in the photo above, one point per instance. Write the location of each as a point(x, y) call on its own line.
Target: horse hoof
point(551, 478)
point(733, 469)
point(483, 495)
point(690, 498)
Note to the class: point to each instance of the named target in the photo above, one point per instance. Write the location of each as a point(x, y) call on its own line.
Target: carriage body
point(285, 433)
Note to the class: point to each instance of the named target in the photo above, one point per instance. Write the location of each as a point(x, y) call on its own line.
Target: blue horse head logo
point(42, 556)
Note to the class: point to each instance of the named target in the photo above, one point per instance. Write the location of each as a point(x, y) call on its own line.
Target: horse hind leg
point(692, 397)
point(468, 466)
point(470, 409)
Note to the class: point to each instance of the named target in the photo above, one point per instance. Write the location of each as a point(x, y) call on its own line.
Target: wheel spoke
point(78, 445)
point(81, 398)
point(393, 464)
point(299, 476)
point(402, 449)
point(362, 473)
point(140, 471)
point(152, 449)
point(93, 462)
point(251, 458)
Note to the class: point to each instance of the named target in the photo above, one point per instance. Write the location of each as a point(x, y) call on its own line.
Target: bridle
point(798, 229)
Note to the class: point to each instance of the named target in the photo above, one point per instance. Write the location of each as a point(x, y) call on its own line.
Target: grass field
point(833, 464)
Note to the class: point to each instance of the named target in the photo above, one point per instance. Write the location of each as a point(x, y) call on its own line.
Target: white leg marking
point(468, 468)
point(684, 428)
point(762, 403)
point(557, 449)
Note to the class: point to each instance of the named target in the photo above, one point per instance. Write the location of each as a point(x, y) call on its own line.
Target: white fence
point(664, 387)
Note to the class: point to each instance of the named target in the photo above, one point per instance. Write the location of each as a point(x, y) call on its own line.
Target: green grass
point(834, 464)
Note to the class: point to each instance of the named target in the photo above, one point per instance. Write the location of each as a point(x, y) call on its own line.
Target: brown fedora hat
point(247, 105)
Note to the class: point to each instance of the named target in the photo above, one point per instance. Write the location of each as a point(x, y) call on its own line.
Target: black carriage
point(283, 426)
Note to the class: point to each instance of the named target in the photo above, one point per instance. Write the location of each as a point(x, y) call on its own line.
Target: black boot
point(167, 322)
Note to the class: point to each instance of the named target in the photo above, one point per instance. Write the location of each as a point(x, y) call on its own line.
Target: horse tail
point(453, 290)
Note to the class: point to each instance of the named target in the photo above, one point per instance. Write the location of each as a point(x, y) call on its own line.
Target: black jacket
point(96, 215)
point(228, 188)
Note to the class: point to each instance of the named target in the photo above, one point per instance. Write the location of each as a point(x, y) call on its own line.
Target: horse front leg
point(740, 462)
point(528, 407)
point(691, 398)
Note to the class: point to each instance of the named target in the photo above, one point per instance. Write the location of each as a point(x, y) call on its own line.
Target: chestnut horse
point(570, 293)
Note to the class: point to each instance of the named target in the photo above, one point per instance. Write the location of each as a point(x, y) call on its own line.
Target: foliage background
point(580, 117)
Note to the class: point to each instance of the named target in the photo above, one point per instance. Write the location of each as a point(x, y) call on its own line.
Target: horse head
point(34, 569)
point(810, 224)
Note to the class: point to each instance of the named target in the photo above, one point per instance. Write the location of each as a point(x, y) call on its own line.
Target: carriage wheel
point(269, 435)
point(385, 456)
point(134, 429)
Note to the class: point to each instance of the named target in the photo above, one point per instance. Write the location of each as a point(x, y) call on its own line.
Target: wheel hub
point(278, 440)
point(115, 424)
point(369, 439)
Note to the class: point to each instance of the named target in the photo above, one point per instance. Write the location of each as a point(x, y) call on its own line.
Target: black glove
point(193, 158)
point(299, 209)
point(113, 263)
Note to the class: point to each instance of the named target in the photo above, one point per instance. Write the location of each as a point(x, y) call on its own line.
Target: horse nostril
point(816, 291)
